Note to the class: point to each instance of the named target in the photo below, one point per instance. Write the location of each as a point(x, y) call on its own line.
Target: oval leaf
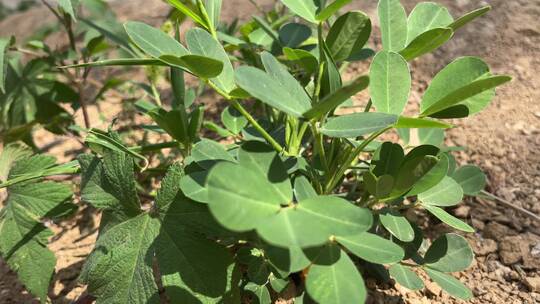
point(348, 35)
point(446, 193)
point(393, 21)
point(406, 277)
point(390, 82)
point(372, 248)
point(397, 225)
point(449, 253)
point(357, 124)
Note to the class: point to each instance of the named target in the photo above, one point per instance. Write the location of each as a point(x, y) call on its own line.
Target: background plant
point(302, 196)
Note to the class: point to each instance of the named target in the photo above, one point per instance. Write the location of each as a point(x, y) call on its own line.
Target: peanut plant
point(286, 191)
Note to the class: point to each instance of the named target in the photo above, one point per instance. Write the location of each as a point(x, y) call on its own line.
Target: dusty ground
point(503, 140)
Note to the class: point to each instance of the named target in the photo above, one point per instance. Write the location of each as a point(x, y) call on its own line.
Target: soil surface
point(504, 140)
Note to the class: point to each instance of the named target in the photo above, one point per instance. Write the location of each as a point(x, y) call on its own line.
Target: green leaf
point(393, 21)
point(390, 82)
point(153, 41)
point(9, 156)
point(357, 124)
point(412, 170)
point(288, 260)
point(193, 186)
point(280, 74)
point(313, 221)
point(109, 183)
point(193, 269)
point(431, 136)
point(335, 99)
point(303, 189)
point(23, 241)
point(372, 248)
point(202, 43)
point(449, 253)
point(118, 62)
point(471, 179)
point(233, 120)
point(302, 58)
point(419, 123)
point(334, 279)
point(348, 34)
point(397, 225)
point(331, 77)
point(213, 8)
point(331, 9)
point(69, 6)
point(406, 277)
point(426, 16)
point(188, 12)
point(461, 21)
point(241, 195)
point(173, 122)
point(387, 159)
point(4, 44)
point(126, 249)
point(258, 271)
point(426, 42)
point(380, 186)
point(446, 193)
point(270, 91)
point(306, 9)
point(450, 284)
point(262, 295)
point(432, 177)
point(293, 35)
point(207, 152)
point(200, 66)
point(457, 83)
point(449, 219)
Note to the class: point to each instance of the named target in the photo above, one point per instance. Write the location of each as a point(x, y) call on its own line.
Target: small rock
point(533, 283)
point(496, 231)
point(484, 246)
point(433, 288)
point(462, 211)
point(512, 249)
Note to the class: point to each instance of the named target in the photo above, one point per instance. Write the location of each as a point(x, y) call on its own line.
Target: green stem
point(155, 147)
point(319, 146)
point(248, 116)
point(368, 106)
point(345, 165)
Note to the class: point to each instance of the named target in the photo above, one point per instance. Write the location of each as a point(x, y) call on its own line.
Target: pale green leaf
point(200, 42)
point(207, 152)
point(306, 9)
point(449, 253)
point(397, 225)
point(419, 123)
point(331, 9)
point(450, 284)
point(153, 41)
point(390, 82)
point(426, 42)
point(446, 193)
point(448, 219)
point(406, 277)
point(357, 124)
point(393, 21)
point(334, 279)
point(461, 21)
point(471, 179)
point(372, 248)
point(426, 16)
point(313, 221)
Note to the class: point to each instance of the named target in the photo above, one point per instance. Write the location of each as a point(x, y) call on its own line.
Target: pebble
point(533, 283)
